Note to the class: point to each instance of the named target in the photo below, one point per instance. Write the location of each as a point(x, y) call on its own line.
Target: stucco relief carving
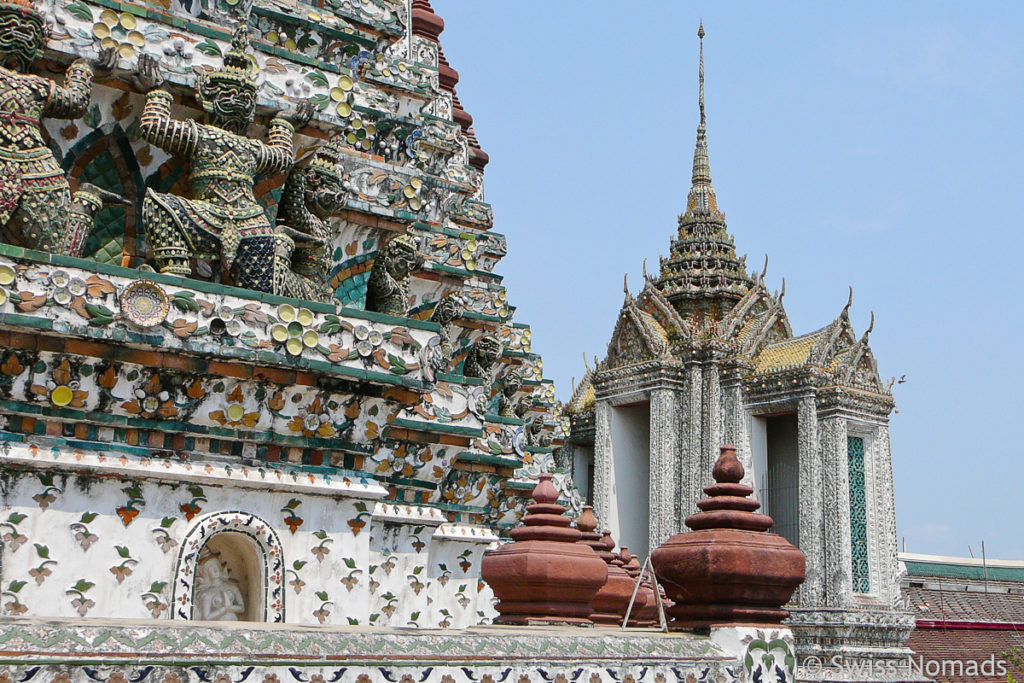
point(217, 597)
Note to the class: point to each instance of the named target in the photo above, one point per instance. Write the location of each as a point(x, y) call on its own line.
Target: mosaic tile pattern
point(858, 516)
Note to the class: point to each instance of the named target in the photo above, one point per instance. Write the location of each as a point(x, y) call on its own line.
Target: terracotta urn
point(609, 605)
point(728, 570)
point(545, 576)
point(645, 610)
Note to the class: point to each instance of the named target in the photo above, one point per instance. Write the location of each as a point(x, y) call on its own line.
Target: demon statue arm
point(158, 128)
point(278, 154)
point(71, 100)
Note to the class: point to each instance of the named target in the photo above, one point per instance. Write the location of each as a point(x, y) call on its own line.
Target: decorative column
point(711, 420)
point(602, 494)
point(837, 556)
point(690, 474)
point(664, 450)
point(734, 426)
point(884, 504)
point(811, 525)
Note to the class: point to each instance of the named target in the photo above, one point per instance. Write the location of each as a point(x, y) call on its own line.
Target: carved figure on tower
point(449, 309)
point(217, 597)
point(508, 406)
point(482, 356)
point(37, 209)
point(387, 290)
point(222, 220)
point(312, 193)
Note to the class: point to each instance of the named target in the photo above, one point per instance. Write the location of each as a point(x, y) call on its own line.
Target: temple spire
point(702, 276)
point(700, 35)
point(701, 200)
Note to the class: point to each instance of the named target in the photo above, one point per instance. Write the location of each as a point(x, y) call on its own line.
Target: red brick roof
point(958, 647)
point(943, 600)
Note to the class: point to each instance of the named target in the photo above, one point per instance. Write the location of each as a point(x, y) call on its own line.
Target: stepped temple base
point(137, 651)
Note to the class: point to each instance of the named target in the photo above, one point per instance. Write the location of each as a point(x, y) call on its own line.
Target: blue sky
point(879, 145)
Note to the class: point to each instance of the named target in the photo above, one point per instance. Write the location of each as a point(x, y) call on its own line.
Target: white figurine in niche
point(217, 597)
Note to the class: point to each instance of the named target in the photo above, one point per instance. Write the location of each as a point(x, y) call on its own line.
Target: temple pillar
point(665, 439)
point(603, 480)
point(711, 422)
point(811, 526)
point(735, 429)
point(837, 551)
point(691, 476)
point(884, 563)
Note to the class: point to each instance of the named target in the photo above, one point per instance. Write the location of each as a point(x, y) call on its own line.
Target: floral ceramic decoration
point(144, 303)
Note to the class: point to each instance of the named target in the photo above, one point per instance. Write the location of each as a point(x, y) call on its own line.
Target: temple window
point(858, 515)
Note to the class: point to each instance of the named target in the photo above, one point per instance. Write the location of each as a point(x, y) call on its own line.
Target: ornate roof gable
point(637, 337)
point(582, 393)
point(834, 349)
point(834, 340)
point(857, 366)
point(653, 301)
point(757, 319)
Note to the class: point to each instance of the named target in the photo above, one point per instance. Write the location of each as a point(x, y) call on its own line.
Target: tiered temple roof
point(705, 302)
point(702, 275)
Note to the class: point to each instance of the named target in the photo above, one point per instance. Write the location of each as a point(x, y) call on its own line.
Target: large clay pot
point(645, 609)
point(728, 570)
point(611, 601)
point(545, 575)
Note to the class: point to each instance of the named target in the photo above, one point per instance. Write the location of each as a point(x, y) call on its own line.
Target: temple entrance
point(631, 445)
point(775, 450)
